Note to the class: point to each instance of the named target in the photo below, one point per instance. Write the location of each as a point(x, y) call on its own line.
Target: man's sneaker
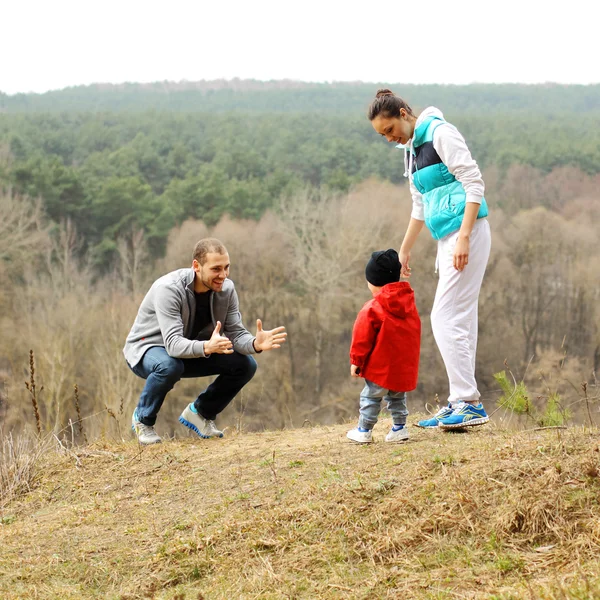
point(445, 411)
point(465, 415)
point(146, 434)
point(205, 428)
point(361, 436)
point(397, 435)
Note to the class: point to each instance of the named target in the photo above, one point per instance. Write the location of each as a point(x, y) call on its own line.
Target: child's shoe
point(360, 435)
point(397, 435)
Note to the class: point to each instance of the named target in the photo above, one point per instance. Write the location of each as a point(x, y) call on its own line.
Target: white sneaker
point(361, 437)
point(205, 428)
point(214, 432)
point(146, 434)
point(397, 436)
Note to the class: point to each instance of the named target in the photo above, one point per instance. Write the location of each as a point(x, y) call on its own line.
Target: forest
point(104, 188)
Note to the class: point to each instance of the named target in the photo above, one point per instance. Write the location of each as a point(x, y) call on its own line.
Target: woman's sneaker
point(205, 428)
point(360, 435)
point(465, 415)
point(445, 411)
point(397, 435)
point(146, 434)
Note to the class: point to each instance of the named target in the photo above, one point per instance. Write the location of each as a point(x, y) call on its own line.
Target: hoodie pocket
point(456, 204)
point(444, 216)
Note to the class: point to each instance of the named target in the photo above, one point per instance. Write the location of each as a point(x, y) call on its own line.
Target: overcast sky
point(52, 44)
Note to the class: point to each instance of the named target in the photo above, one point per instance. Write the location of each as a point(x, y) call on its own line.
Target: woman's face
point(395, 129)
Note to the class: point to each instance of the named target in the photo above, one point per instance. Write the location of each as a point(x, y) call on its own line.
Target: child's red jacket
point(386, 340)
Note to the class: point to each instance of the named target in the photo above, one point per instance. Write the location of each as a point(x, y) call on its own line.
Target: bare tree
point(133, 260)
point(330, 237)
point(23, 230)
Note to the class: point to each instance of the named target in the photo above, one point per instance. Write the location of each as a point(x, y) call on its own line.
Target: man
point(189, 325)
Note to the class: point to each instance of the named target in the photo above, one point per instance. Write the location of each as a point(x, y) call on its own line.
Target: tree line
point(108, 172)
point(215, 96)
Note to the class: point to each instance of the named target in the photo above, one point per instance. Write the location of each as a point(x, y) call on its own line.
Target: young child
point(386, 342)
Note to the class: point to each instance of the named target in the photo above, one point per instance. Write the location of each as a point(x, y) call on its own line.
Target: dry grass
point(304, 514)
point(20, 459)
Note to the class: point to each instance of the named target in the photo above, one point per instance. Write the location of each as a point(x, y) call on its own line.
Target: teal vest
point(444, 197)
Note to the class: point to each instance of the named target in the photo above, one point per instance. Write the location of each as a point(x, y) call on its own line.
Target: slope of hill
point(304, 514)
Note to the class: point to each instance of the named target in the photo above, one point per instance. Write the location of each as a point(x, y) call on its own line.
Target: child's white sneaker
point(360, 436)
point(397, 435)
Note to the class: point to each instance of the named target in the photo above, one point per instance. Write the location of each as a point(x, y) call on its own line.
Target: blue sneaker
point(465, 415)
point(445, 411)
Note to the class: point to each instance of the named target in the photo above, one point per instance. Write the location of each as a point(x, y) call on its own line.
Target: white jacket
point(452, 149)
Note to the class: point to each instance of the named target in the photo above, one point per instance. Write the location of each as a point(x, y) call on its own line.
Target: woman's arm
point(417, 220)
point(461, 250)
point(414, 228)
point(452, 149)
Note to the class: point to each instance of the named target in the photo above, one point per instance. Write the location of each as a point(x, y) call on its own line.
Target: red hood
point(397, 299)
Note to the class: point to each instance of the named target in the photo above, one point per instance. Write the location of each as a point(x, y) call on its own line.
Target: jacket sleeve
point(167, 306)
point(453, 150)
point(364, 334)
point(418, 209)
point(234, 329)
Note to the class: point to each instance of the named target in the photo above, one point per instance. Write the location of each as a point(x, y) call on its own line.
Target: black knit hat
point(383, 267)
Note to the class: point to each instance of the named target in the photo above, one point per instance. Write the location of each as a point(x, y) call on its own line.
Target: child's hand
point(354, 371)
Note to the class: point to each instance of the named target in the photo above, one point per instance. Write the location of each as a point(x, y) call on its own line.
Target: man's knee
point(245, 366)
point(170, 368)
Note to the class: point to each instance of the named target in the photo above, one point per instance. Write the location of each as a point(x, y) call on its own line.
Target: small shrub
point(554, 415)
point(513, 398)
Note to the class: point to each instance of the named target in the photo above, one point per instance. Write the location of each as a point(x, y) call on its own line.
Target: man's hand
point(354, 370)
point(218, 344)
point(267, 340)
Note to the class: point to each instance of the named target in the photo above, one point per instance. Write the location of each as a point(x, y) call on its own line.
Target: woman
point(447, 192)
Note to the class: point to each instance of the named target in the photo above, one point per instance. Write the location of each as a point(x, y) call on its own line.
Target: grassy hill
point(306, 514)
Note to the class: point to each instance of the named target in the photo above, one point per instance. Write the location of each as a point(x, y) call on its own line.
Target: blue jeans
point(162, 372)
point(370, 405)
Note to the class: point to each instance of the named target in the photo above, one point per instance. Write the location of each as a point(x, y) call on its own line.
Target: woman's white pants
point(454, 312)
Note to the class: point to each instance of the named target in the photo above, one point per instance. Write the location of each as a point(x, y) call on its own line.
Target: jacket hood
point(423, 120)
point(397, 299)
point(430, 113)
point(425, 116)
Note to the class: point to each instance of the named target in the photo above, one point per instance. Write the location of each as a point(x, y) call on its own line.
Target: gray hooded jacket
point(166, 317)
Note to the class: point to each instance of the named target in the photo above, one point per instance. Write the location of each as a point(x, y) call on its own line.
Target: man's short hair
point(206, 245)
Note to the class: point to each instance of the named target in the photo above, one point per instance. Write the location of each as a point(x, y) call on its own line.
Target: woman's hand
point(460, 258)
point(354, 370)
point(404, 258)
